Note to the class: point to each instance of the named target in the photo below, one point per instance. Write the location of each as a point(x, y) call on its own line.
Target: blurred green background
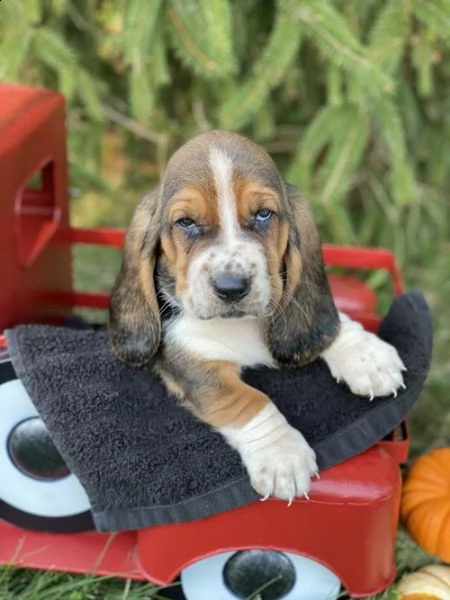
point(350, 97)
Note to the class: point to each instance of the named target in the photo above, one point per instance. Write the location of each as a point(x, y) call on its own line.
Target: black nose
point(231, 288)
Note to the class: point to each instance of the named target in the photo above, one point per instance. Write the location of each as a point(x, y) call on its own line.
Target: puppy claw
point(265, 497)
point(394, 393)
point(306, 496)
point(282, 469)
point(291, 500)
point(368, 365)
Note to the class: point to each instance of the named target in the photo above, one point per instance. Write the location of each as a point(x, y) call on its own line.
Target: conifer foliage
point(351, 97)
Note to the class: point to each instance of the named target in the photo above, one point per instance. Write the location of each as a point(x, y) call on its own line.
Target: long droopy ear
point(134, 328)
point(307, 320)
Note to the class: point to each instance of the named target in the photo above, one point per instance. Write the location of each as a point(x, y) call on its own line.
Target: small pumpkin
point(425, 505)
point(428, 583)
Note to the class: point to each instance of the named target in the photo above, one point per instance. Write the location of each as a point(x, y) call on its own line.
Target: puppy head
point(224, 227)
point(225, 236)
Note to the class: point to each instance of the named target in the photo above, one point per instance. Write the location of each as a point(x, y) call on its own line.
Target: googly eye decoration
point(37, 490)
point(278, 576)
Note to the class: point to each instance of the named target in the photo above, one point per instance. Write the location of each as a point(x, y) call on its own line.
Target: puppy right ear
point(134, 328)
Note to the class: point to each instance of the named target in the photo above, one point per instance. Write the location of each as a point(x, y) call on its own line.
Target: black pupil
point(186, 222)
point(264, 214)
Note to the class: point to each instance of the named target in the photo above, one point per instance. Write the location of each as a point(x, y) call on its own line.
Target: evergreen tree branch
point(435, 14)
point(328, 29)
point(277, 55)
point(203, 38)
point(133, 126)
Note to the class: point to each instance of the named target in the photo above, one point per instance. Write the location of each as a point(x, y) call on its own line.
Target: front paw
point(367, 364)
point(282, 468)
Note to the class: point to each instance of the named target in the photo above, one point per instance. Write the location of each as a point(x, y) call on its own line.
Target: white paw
point(283, 468)
point(368, 365)
point(278, 459)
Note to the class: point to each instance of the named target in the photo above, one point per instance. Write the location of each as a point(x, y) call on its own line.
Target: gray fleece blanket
point(143, 460)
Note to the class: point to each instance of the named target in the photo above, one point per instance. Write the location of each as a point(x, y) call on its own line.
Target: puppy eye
point(263, 215)
point(186, 223)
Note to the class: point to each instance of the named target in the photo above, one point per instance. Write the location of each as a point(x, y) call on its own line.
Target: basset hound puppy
point(222, 270)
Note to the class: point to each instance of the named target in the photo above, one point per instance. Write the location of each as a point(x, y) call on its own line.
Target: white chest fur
point(236, 340)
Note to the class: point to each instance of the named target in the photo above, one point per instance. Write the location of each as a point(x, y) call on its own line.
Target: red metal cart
point(349, 525)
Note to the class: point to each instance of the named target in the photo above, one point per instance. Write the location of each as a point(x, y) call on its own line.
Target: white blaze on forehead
point(222, 169)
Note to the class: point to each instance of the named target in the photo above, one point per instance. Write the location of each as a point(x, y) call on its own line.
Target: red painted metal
point(365, 258)
point(398, 443)
point(352, 295)
point(349, 525)
point(113, 237)
point(351, 520)
point(32, 141)
point(91, 552)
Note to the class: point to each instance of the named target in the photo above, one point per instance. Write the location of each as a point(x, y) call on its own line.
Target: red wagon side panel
point(32, 144)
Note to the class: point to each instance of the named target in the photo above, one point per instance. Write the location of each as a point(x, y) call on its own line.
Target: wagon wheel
point(277, 576)
point(37, 490)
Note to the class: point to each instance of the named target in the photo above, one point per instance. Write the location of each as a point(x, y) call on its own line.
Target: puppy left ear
point(307, 320)
point(134, 328)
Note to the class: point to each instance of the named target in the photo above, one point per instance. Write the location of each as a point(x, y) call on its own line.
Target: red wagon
point(345, 535)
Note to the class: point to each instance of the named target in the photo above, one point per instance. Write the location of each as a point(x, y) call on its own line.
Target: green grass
point(430, 426)
point(24, 584)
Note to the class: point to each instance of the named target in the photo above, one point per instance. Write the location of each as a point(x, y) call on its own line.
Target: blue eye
point(186, 223)
point(263, 215)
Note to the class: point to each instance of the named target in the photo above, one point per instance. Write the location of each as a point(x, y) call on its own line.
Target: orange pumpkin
point(425, 505)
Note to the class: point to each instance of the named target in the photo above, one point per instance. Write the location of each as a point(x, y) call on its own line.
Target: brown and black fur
point(304, 320)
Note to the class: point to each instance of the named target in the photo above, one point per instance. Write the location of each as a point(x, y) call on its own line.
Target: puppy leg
point(278, 459)
point(368, 365)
